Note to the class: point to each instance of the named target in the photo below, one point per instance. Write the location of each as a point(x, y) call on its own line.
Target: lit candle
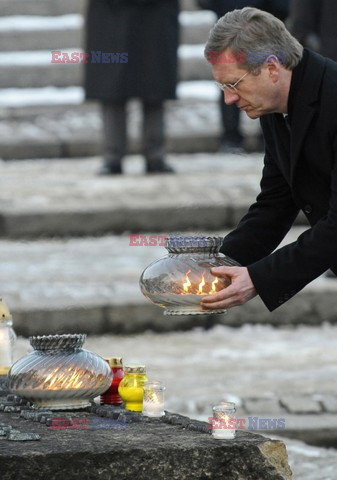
point(153, 400)
point(7, 338)
point(5, 350)
point(224, 421)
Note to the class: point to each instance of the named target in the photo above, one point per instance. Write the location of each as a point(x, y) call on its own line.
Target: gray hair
point(252, 35)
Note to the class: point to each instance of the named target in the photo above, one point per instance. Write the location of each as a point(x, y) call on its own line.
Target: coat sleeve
point(268, 220)
point(285, 272)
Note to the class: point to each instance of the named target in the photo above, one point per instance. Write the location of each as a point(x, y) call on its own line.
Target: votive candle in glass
point(224, 421)
point(153, 400)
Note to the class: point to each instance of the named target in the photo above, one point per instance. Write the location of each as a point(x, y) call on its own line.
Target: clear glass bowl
point(178, 281)
point(59, 374)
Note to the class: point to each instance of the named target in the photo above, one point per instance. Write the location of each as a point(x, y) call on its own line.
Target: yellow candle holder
point(131, 387)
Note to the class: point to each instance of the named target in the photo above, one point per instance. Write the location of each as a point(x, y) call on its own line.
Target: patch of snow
point(27, 23)
point(197, 18)
point(32, 58)
point(191, 51)
point(15, 97)
point(19, 97)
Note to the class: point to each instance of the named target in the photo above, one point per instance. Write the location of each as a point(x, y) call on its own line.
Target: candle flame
point(56, 381)
point(201, 284)
point(213, 289)
point(202, 288)
point(187, 284)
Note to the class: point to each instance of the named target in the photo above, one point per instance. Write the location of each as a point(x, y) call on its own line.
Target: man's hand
point(237, 293)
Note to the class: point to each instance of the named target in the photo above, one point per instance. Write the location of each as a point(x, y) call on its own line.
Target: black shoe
point(158, 167)
point(110, 169)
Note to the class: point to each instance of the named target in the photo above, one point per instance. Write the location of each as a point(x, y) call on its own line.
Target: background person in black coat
point(294, 91)
point(314, 24)
point(145, 34)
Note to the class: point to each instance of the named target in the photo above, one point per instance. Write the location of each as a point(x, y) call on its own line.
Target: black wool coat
point(300, 175)
point(147, 31)
point(318, 17)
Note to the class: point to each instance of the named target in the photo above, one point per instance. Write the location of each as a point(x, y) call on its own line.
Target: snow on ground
point(32, 23)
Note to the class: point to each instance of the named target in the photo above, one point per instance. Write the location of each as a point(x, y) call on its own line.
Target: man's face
point(256, 95)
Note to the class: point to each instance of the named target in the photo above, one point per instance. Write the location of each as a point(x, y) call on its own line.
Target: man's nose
point(230, 97)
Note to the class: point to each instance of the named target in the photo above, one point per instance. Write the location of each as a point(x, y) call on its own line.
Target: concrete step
point(35, 68)
point(20, 33)
point(91, 285)
point(75, 130)
point(50, 122)
point(67, 197)
point(60, 7)
point(41, 7)
point(46, 198)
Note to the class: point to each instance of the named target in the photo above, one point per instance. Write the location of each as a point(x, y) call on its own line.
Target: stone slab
point(75, 131)
point(42, 7)
point(52, 39)
point(35, 69)
point(144, 450)
point(61, 7)
point(301, 405)
point(49, 33)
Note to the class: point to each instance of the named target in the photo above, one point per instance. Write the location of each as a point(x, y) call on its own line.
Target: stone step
point(20, 103)
point(59, 7)
point(75, 131)
point(35, 68)
point(45, 123)
point(20, 33)
point(47, 198)
point(67, 197)
point(41, 7)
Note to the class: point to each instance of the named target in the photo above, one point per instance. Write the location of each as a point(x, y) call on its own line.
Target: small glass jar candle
point(131, 387)
point(224, 421)
point(111, 396)
point(7, 339)
point(153, 401)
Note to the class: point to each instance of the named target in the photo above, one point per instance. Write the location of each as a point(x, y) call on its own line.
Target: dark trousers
point(115, 132)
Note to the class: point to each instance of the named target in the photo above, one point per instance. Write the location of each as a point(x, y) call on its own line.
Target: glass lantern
point(178, 281)
point(59, 374)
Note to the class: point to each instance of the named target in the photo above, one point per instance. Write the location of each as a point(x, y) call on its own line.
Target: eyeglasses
point(231, 86)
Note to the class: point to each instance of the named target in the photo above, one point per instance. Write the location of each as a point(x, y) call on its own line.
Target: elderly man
point(265, 72)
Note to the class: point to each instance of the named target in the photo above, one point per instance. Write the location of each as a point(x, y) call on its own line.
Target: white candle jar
point(7, 339)
point(178, 281)
point(224, 421)
point(153, 399)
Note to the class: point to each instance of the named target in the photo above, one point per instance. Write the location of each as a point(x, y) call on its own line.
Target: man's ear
point(273, 65)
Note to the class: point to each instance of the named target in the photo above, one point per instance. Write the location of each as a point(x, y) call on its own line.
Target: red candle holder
point(111, 396)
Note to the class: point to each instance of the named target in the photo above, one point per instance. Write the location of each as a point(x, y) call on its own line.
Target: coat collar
point(303, 100)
